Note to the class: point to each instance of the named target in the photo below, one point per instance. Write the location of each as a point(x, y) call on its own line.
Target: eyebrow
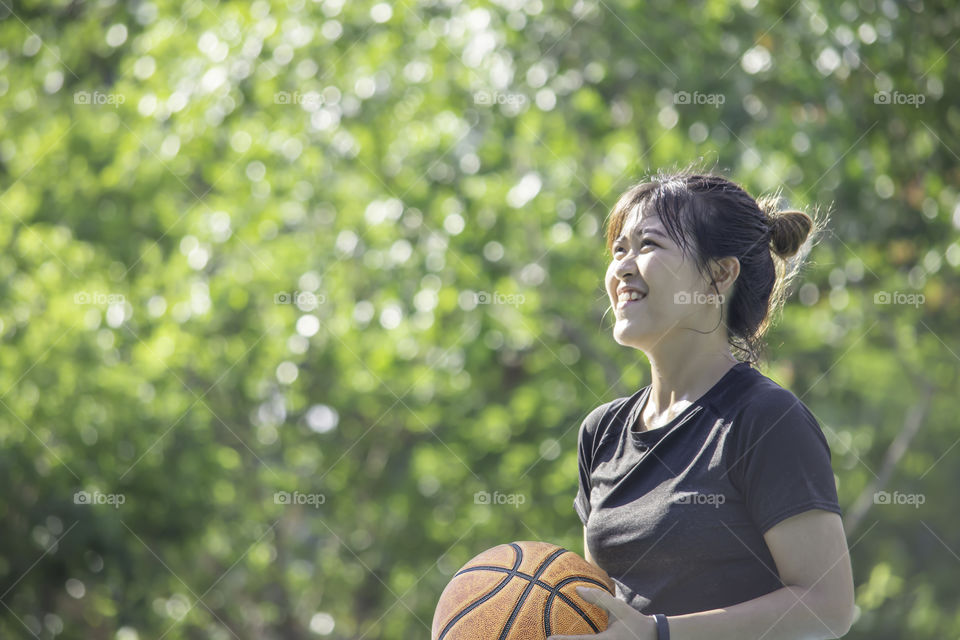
point(652, 232)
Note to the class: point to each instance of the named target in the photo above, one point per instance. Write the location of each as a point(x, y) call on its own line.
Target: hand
point(623, 621)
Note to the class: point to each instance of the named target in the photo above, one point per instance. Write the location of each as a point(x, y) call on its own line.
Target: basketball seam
point(532, 580)
point(554, 591)
point(516, 609)
point(516, 565)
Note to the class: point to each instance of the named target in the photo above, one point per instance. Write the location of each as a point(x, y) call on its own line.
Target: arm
point(586, 549)
point(810, 551)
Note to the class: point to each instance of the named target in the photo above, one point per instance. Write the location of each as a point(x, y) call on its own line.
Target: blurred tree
point(287, 284)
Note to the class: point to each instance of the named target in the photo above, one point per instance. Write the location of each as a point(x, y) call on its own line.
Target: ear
point(725, 272)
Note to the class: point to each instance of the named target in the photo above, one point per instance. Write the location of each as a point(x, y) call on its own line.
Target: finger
point(616, 609)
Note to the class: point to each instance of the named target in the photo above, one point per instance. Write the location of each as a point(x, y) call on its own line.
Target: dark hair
point(710, 217)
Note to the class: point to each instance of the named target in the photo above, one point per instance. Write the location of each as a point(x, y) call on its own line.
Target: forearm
point(790, 613)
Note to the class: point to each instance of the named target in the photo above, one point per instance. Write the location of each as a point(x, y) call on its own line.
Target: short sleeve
point(585, 452)
point(782, 460)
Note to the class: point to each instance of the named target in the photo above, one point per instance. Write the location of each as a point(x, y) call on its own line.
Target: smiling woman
point(708, 218)
point(708, 496)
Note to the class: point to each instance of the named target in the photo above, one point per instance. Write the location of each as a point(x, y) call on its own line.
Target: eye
point(618, 248)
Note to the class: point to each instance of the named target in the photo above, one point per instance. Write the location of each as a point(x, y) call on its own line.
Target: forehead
point(640, 217)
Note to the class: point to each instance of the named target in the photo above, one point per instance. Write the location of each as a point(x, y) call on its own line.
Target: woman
point(708, 495)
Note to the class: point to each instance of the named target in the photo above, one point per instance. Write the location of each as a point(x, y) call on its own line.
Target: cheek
point(610, 279)
point(670, 273)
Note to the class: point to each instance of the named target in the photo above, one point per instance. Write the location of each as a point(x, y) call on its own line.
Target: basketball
point(520, 591)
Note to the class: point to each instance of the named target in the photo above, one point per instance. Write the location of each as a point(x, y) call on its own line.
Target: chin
point(627, 336)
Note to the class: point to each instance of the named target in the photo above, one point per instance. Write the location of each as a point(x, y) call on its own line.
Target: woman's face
point(645, 258)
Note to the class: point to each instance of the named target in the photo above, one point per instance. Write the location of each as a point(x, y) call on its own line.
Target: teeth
point(630, 295)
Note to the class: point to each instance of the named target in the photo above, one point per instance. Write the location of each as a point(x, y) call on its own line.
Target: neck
point(684, 379)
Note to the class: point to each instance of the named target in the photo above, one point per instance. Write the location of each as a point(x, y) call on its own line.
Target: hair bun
point(788, 231)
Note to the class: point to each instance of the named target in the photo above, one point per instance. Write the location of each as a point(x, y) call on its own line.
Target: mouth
point(628, 298)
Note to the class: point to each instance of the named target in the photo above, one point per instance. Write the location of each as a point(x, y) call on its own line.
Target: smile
point(628, 299)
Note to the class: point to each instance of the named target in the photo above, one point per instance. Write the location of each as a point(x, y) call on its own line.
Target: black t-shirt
point(676, 515)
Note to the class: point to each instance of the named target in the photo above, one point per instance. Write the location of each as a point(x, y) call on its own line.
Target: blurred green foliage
point(242, 247)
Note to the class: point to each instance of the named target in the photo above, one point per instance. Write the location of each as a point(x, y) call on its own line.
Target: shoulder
point(763, 397)
point(600, 416)
point(769, 409)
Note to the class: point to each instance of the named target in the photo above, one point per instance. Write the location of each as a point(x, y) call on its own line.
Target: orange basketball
point(520, 591)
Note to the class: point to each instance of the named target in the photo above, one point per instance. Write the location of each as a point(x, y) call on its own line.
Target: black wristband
point(663, 629)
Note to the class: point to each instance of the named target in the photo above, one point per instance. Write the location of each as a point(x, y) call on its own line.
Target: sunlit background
point(303, 304)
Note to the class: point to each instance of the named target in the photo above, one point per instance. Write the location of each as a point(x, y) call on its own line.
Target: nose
point(625, 269)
